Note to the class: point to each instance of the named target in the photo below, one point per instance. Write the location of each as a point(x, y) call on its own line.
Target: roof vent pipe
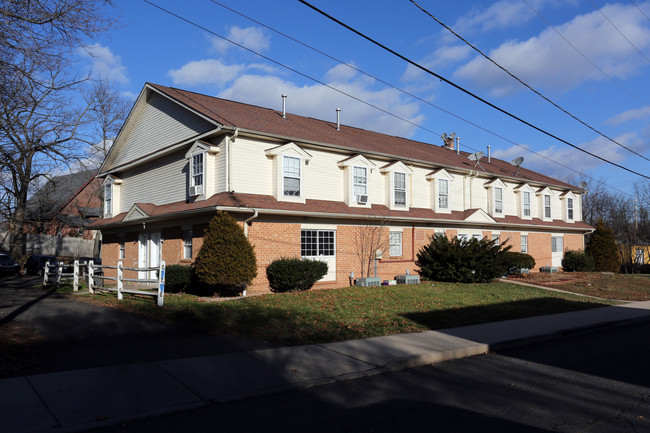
point(284, 105)
point(457, 145)
point(338, 119)
point(489, 153)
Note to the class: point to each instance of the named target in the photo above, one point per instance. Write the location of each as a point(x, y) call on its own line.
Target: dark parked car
point(8, 265)
point(36, 263)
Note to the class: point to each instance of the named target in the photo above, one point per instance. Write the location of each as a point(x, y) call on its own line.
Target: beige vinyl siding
point(420, 188)
point(158, 124)
point(456, 193)
point(323, 179)
point(220, 180)
point(252, 171)
point(162, 181)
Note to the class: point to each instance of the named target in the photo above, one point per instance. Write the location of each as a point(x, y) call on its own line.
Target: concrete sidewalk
point(89, 398)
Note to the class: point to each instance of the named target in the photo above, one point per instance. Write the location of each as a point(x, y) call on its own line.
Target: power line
point(619, 31)
point(371, 105)
point(640, 10)
point(584, 56)
point(417, 97)
point(522, 82)
point(462, 89)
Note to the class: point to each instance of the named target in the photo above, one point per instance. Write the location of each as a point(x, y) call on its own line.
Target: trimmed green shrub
point(463, 261)
point(294, 275)
point(515, 261)
point(577, 261)
point(602, 247)
point(226, 262)
point(178, 278)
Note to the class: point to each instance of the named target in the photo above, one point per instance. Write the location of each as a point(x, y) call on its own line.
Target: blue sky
point(592, 58)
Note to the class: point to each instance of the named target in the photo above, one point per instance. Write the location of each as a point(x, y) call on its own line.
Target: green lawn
point(319, 316)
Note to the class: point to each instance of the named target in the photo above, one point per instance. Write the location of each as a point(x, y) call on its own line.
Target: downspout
point(413, 243)
point(248, 222)
point(230, 140)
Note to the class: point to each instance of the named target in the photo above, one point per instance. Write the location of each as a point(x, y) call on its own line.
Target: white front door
point(148, 254)
point(557, 250)
point(320, 245)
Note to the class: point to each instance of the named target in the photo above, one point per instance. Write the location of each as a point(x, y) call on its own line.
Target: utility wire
point(522, 82)
point(640, 10)
point(418, 98)
point(462, 89)
point(619, 31)
point(371, 105)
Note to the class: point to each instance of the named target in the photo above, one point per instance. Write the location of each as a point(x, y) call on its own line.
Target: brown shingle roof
point(300, 128)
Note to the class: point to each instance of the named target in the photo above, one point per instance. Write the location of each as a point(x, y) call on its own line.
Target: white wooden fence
point(55, 274)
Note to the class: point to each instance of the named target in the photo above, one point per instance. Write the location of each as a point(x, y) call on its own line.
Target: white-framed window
point(547, 206)
point(360, 182)
point(569, 208)
point(496, 238)
point(108, 199)
point(463, 237)
point(524, 243)
point(291, 176)
point(197, 168)
point(187, 244)
point(122, 250)
point(498, 200)
point(526, 203)
point(395, 244)
point(315, 243)
point(477, 236)
point(556, 244)
point(399, 189)
point(443, 194)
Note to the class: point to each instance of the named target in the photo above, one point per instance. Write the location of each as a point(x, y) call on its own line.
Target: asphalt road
point(598, 382)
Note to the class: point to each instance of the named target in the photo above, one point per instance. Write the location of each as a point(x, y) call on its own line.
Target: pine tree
point(226, 261)
point(602, 247)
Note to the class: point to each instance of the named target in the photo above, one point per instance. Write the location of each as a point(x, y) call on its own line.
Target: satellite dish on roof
point(476, 156)
point(452, 135)
point(444, 136)
point(582, 185)
point(517, 163)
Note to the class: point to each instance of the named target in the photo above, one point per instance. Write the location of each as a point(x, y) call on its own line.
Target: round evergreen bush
point(178, 278)
point(515, 261)
point(463, 261)
point(226, 262)
point(294, 275)
point(577, 261)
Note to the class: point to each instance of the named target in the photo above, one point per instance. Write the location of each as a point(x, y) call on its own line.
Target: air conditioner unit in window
point(362, 198)
point(196, 190)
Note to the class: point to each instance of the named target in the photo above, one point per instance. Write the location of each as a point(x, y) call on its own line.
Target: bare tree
point(39, 119)
point(367, 240)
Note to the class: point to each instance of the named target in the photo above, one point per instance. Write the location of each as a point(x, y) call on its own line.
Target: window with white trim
point(395, 244)
point(477, 236)
point(569, 208)
point(197, 172)
point(315, 243)
point(443, 194)
point(187, 244)
point(108, 199)
point(462, 237)
point(547, 206)
point(496, 238)
point(556, 244)
point(498, 200)
point(399, 189)
point(122, 250)
point(526, 203)
point(291, 176)
point(524, 243)
point(360, 181)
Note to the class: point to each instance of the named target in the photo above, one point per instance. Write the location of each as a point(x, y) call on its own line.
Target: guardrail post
point(75, 281)
point(91, 279)
point(59, 271)
point(161, 284)
point(46, 271)
point(119, 280)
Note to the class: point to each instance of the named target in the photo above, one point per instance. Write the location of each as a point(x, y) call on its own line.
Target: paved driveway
point(68, 335)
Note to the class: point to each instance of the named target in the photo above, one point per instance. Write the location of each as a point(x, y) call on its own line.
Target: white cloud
point(626, 116)
point(251, 37)
point(571, 157)
point(105, 64)
point(208, 71)
point(439, 58)
point(321, 102)
point(547, 61)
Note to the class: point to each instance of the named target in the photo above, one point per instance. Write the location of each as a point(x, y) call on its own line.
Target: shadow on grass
point(474, 315)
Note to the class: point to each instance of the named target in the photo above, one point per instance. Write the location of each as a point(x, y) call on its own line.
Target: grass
point(630, 287)
point(319, 316)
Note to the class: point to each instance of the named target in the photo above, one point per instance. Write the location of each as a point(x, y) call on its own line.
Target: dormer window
point(526, 204)
point(197, 168)
point(569, 208)
point(291, 179)
point(498, 200)
point(111, 190)
point(441, 183)
point(547, 206)
point(108, 199)
point(399, 189)
point(443, 194)
point(495, 188)
point(360, 186)
point(357, 178)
